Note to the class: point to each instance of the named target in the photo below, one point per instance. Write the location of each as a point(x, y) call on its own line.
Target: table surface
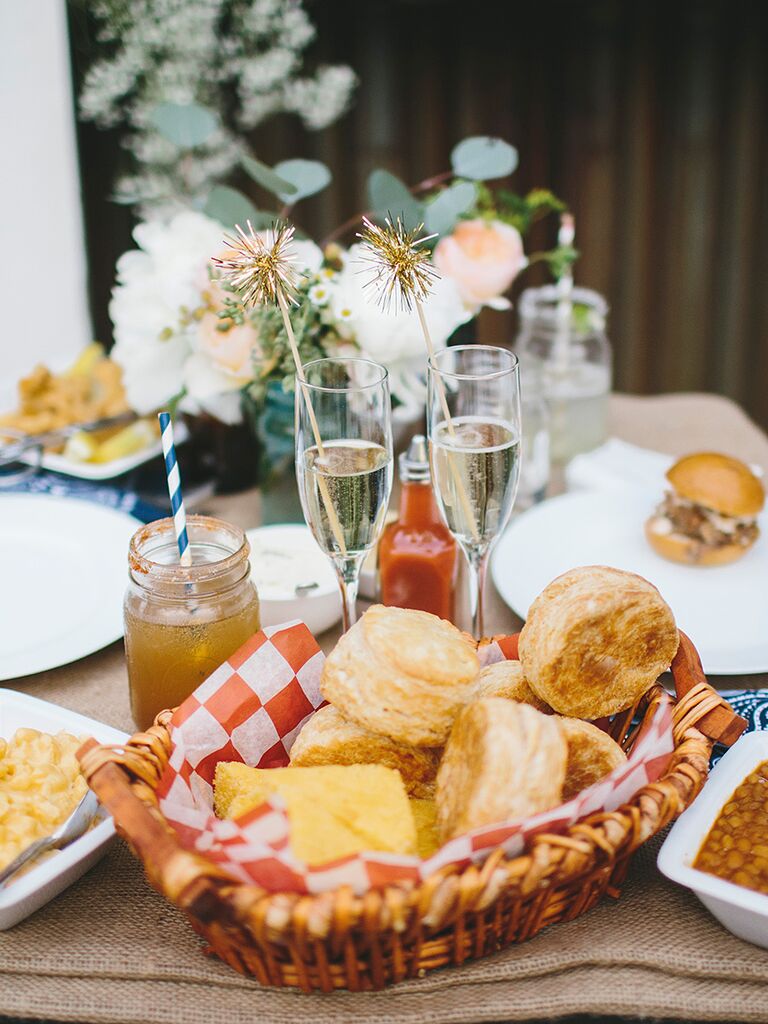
point(97, 685)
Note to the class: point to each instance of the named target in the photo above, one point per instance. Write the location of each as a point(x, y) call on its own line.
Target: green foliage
point(389, 195)
point(560, 259)
point(275, 361)
point(306, 176)
point(230, 207)
point(482, 158)
point(185, 125)
point(519, 211)
point(267, 178)
point(448, 206)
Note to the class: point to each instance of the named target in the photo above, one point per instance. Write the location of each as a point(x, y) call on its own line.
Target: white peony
point(153, 284)
point(393, 337)
point(164, 351)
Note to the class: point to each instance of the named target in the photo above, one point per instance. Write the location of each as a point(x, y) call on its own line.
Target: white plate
point(64, 573)
point(742, 911)
point(723, 609)
point(106, 470)
point(30, 891)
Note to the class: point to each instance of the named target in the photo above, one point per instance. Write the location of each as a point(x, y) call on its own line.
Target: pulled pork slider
point(709, 515)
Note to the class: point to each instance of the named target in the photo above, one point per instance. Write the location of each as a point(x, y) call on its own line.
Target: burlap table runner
point(110, 949)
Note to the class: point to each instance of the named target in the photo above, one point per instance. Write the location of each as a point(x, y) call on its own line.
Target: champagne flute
point(345, 480)
point(473, 420)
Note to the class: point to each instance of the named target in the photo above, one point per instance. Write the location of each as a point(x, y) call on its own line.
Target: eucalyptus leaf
point(230, 207)
point(267, 178)
point(306, 176)
point(448, 206)
point(482, 158)
point(185, 125)
point(389, 195)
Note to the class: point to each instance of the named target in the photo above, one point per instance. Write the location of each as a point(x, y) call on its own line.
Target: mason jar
point(562, 344)
point(183, 621)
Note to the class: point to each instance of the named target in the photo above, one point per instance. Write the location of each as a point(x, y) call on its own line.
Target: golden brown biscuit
point(592, 755)
point(596, 638)
point(329, 738)
point(402, 673)
point(506, 679)
point(503, 760)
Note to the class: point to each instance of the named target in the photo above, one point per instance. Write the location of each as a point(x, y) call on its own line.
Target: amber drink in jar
point(183, 621)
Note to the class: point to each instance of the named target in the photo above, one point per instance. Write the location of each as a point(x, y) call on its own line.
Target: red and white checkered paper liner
point(252, 708)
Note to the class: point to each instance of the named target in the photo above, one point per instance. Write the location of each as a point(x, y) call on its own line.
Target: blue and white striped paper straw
point(174, 488)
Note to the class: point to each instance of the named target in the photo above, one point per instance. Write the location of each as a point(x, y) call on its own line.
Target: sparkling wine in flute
point(356, 476)
point(482, 455)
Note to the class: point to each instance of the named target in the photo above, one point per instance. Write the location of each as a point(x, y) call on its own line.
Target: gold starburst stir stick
point(265, 274)
point(403, 274)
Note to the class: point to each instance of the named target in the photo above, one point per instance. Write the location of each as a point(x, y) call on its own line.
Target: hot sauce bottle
point(417, 555)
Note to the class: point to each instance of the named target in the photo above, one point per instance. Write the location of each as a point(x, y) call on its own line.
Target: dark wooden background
point(648, 117)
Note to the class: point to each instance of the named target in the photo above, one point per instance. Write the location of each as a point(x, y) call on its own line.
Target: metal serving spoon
point(75, 825)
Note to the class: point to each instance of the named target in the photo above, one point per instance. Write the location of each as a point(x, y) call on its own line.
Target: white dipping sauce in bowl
point(285, 557)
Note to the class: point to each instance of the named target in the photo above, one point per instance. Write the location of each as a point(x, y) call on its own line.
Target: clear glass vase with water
point(565, 353)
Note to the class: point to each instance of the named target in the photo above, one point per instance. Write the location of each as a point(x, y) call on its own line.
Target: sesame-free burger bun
point(718, 482)
point(676, 547)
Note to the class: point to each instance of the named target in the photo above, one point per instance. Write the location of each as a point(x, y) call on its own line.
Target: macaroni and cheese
point(40, 786)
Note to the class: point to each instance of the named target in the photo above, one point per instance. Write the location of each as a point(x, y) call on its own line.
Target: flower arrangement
point(188, 77)
point(182, 334)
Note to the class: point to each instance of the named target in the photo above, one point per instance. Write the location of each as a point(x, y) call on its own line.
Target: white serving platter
point(724, 609)
point(58, 463)
point(64, 564)
point(31, 890)
point(742, 911)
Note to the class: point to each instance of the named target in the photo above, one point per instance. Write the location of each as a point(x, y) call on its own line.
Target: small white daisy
point(319, 295)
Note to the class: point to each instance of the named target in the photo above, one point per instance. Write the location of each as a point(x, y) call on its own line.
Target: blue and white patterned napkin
point(66, 487)
point(750, 704)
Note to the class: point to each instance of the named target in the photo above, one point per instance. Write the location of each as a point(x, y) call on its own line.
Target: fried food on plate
point(92, 389)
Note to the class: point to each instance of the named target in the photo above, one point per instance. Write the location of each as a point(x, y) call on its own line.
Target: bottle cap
point(414, 464)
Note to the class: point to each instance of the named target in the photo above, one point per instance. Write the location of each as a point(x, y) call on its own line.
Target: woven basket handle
point(698, 705)
point(183, 876)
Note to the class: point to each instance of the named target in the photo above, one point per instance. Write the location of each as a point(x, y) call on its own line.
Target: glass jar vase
point(565, 355)
point(182, 622)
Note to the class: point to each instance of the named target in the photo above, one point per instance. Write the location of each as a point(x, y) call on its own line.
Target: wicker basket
point(339, 940)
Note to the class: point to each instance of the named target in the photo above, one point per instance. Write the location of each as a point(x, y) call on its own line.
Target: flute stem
point(348, 572)
point(477, 564)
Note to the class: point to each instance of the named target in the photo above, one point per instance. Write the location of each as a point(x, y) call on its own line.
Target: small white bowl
point(319, 608)
point(742, 911)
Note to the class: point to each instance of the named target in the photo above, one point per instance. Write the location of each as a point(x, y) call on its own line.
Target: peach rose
point(482, 257)
point(230, 351)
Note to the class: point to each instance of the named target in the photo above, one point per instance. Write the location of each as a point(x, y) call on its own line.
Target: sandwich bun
point(676, 547)
point(718, 482)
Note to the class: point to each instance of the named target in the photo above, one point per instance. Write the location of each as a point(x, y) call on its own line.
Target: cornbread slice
point(333, 810)
point(425, 819)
